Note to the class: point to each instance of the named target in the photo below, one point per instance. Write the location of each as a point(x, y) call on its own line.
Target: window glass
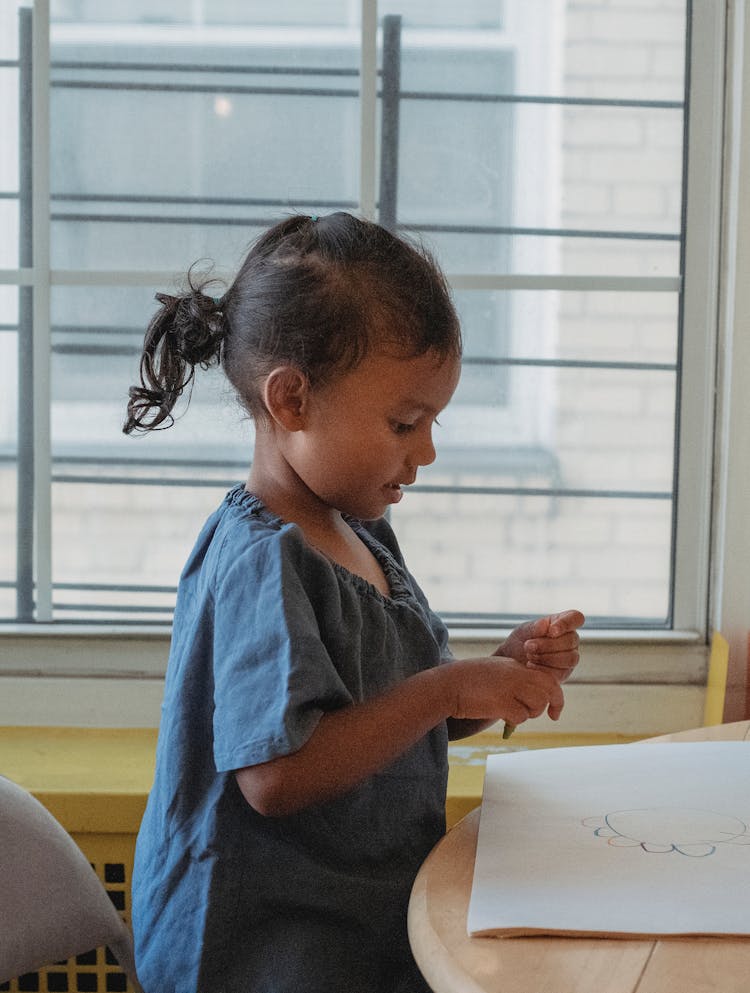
point(125, 509)
point(97, 336)
point(541, 159)
point(119, 545)
point(617, 51)
point(198, 139)
point(509, 555)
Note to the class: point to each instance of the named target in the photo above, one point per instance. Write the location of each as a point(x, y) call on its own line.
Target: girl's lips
point(394, 491)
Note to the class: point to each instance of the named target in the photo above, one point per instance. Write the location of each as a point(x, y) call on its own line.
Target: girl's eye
point(399, 427)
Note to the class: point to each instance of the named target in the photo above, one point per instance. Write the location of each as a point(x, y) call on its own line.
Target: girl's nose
point(425, 453)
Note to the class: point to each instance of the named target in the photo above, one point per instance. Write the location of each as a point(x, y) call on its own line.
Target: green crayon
point(508, 730)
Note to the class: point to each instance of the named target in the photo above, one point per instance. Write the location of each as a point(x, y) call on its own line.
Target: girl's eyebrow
point(417, 407)
point(412, 403)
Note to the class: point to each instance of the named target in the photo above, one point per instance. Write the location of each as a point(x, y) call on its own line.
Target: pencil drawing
point(688, 831)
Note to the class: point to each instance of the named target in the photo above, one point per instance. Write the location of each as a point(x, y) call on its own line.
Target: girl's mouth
point(394, 492)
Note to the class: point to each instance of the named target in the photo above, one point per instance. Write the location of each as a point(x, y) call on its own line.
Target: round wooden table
point(452, 962)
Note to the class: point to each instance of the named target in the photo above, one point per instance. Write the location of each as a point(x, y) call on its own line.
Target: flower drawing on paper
point(670, 829)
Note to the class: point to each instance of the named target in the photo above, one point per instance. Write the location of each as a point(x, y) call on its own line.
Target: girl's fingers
point(554, 626)
point(557, 701)
point(566, 620)
point(554, 711)
point(549, 698)
point(552, 646)
point(559, 664)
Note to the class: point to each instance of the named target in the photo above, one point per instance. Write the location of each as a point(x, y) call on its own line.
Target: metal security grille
point(521, 472)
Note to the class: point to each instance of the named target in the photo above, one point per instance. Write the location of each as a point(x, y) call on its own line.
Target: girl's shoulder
point(241, 535)
point(244, 524)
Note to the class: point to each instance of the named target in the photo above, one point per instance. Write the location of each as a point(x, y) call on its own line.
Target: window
point(552, 163)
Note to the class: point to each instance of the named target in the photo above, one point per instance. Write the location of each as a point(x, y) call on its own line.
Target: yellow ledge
point(96, 780)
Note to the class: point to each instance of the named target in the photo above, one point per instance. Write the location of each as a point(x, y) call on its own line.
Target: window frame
point(692, 544)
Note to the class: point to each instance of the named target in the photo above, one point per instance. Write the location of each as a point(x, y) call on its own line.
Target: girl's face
point(369, 430)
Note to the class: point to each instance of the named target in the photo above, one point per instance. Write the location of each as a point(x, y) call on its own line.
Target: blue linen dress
point(269, 635)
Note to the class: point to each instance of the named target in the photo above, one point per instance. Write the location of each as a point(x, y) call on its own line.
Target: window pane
point(514, 556)
point(97, 336)
point(478, 14)
point(550, 154)
point(626, 53)
point(551, 255)
point(9, 17)
point(126, 509)
point(153, 13)
point(618, 327)
point(9, 146)
point(599, 428)
point(492, 142)
point(570, 326)
point(516, 145)
point(199, 136)
point(118, 549)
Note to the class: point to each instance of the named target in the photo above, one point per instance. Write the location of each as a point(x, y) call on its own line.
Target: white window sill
point(627, 682)
point(88, 650)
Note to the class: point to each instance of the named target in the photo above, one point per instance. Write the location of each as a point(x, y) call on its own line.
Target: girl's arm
point(352, 743)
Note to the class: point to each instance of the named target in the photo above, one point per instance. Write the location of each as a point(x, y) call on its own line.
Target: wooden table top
point(452, 962)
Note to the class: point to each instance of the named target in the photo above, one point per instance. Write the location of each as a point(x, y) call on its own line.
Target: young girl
point(310, 693)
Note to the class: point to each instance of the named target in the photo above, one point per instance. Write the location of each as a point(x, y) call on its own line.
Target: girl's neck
point(274, 483)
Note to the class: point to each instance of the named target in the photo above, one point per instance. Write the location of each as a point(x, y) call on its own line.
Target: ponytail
point(317, 293)
point(186, 331)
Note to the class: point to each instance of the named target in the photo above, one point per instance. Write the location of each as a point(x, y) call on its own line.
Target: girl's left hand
point(549, 643)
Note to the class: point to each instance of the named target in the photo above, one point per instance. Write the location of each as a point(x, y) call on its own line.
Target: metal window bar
point(40, 127)
point(442, 95)
point(481, 229)
point(234, 202)
point(368, 108)
point(389, 121)
point(25, 436)
point(192, 67)
point(680, 321)
point(482, 360)
point(391, 95)
point(390, 92)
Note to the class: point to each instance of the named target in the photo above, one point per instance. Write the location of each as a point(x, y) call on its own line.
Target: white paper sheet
point(615, 840)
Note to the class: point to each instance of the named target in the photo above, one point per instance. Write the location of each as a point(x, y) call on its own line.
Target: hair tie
point(313, 218)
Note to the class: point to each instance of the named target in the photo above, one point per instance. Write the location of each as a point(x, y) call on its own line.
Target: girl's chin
point(368, 508)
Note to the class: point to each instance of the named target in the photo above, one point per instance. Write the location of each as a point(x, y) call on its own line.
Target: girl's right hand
point(354, 742)
point(496, 688)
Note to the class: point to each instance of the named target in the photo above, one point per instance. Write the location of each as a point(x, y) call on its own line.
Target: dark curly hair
point(316, 293)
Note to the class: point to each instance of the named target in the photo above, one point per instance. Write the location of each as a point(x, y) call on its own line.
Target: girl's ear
point(285, 395)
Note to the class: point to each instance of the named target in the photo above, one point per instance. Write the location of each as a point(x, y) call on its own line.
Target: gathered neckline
point(397, 585)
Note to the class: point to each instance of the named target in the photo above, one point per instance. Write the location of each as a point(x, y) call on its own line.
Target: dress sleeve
point(273, 677)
